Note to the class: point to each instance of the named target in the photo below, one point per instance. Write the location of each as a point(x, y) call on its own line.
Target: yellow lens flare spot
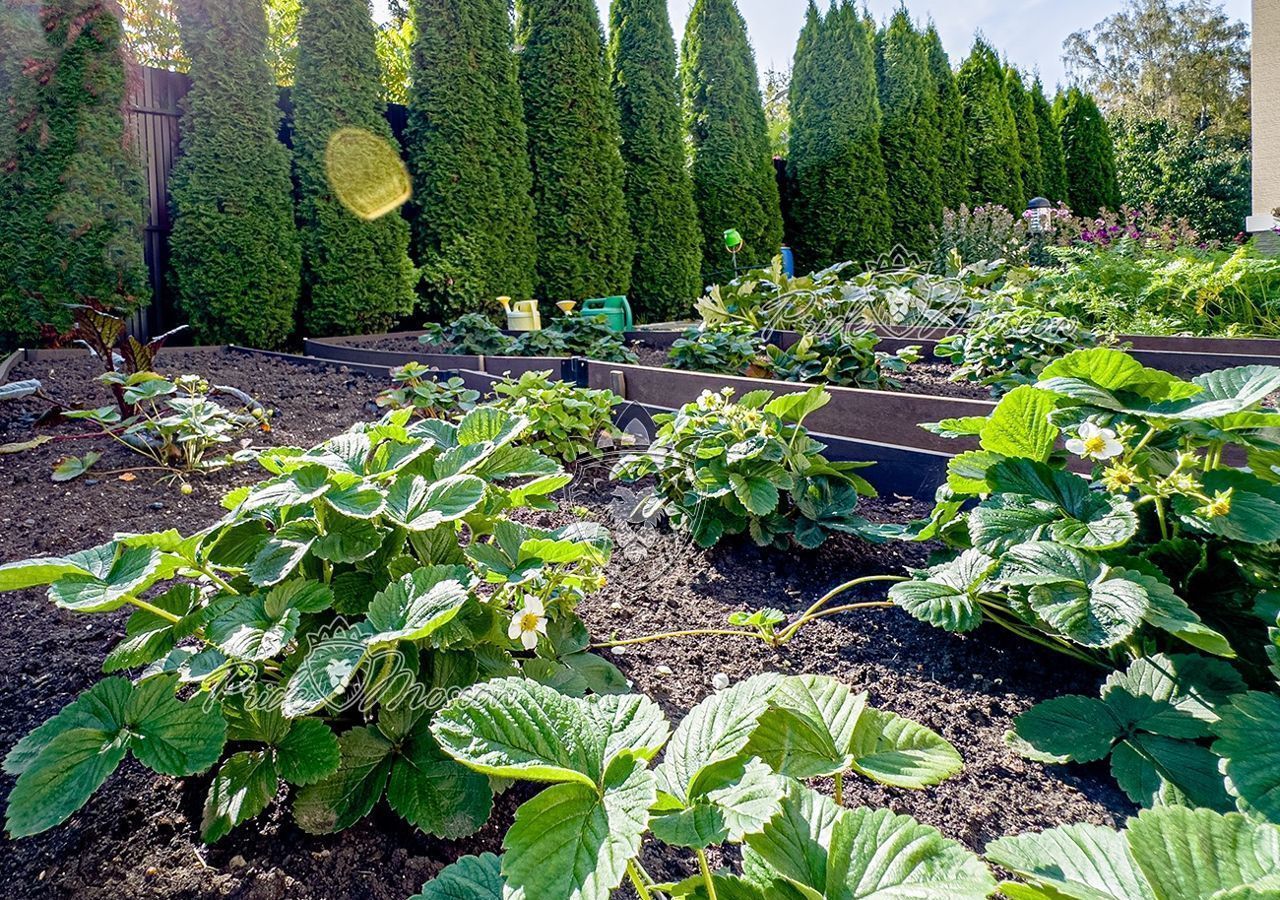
point(366, 173)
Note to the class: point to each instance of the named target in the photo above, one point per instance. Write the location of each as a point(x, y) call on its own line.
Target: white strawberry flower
point(1092, 442)
point(528, 622)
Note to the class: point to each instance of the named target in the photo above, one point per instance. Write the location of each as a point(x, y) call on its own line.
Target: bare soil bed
point(138, 836)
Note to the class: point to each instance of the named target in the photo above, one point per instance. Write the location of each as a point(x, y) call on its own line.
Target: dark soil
point(138, 836)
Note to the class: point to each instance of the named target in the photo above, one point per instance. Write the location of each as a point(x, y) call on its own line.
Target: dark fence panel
point(154, 115)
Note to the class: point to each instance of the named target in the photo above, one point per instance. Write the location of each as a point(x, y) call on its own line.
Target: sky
point(1029, 32)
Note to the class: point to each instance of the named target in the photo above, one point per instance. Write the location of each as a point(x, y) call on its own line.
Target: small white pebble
point(663, 670)
point(719, 681)
point(619, 651)
point(615, 605)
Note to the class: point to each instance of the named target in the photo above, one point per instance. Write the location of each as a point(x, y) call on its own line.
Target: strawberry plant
point(417, 389)
point(724, 468)
point(721, 349)
point(846, 358)
point(567, 421)
point(574, 335)
point(319, 625)
point(581, 836)
point(470, 334)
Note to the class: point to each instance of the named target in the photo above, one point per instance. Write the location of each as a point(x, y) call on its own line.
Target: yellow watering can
point(522, 315)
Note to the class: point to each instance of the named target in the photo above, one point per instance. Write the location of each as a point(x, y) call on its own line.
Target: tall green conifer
point(1024, 117)
point(1090, 154)
point(234, 248)
point(734, 182)
point(910, 135)
point(473, 230)
point(356, 274)
point(954, 144)
point(72, 204)
point(1054, 163)
point(584, 243)
point(992, 132)
point(666, 274)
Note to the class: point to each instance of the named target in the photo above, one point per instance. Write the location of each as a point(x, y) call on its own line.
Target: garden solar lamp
point(1039, 215)
point(734, 243)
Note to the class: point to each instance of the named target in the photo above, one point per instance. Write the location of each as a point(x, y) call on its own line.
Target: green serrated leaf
point(244, 786)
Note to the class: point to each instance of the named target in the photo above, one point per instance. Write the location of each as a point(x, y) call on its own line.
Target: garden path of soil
point(138, 836)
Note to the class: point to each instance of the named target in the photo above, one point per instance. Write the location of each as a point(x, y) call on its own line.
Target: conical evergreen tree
point(991, 130)
point(1051, 158)
point(234, 249)
point(666, 273)
point(472, 212)
point(584, 244)
point(953, 142)
point(1024, 117)
point(734, 183)
point(910, 135)
point(841, 208)
point(356, 274)
point(1090, 155)
point(71, 187)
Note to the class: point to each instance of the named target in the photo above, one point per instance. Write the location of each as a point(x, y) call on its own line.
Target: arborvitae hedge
point(734, 183)
point(584, 243)
point(1024, 116)
point(1051, 158)
point(954, 143)
point(72, 210)
point(911, 135)
point(992, 132)
point(666, 274)
point(234, 249)
point(356, 274)
point(1089, 152)
point(841, 207)
point(466, 144)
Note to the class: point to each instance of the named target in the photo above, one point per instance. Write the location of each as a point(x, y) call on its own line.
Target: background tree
point(1184, 174)
point(953, 142)
point(840, 207)
point(72, 204)
point(991, 130)
point(1053, 163)
point(473, 225)
point(356, 274)
point(734, 183)
point(1186, 61)
point(234, 249)
point(151, 34)
point(777, 110)
point(1024, 117)
point(580, 216)
point(666, 274)
point(1089, 154)
point(910, 134)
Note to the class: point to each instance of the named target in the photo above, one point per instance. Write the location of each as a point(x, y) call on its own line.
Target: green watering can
point(615, 311)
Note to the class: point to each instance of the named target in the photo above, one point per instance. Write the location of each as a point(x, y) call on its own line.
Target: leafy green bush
point(990, 130)
point(722, 348)
point(725, 468)
point(1089, 153)
point(471, 334)
point(417, 389)
point(1011, 340)
point(313, 624)
point(730, 775)
point(566, 421)
point(846, 358)
point(586, 336)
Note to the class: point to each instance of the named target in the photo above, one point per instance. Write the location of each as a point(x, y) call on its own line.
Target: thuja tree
point(991, 130)
point(1052, 161)
point(953, 143)
point(473, 226)
point(584, 244)
point(235, 251)
point(666, 272)
point(734, 181)
point(1024, 117)
point(910, 135)
point(841, 208)
point(356, 273)
point(1089, 153)
point(72, 209)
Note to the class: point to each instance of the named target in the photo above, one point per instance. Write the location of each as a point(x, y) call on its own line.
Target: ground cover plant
point(568, 335)
point(427, 396)
point(725, 467)
point(302, 623)
point(566, 421)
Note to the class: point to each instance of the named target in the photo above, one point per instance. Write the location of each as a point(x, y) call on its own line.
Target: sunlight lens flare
point(366, 173)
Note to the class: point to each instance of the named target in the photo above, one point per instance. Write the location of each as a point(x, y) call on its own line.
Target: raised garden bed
point(138, 836)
